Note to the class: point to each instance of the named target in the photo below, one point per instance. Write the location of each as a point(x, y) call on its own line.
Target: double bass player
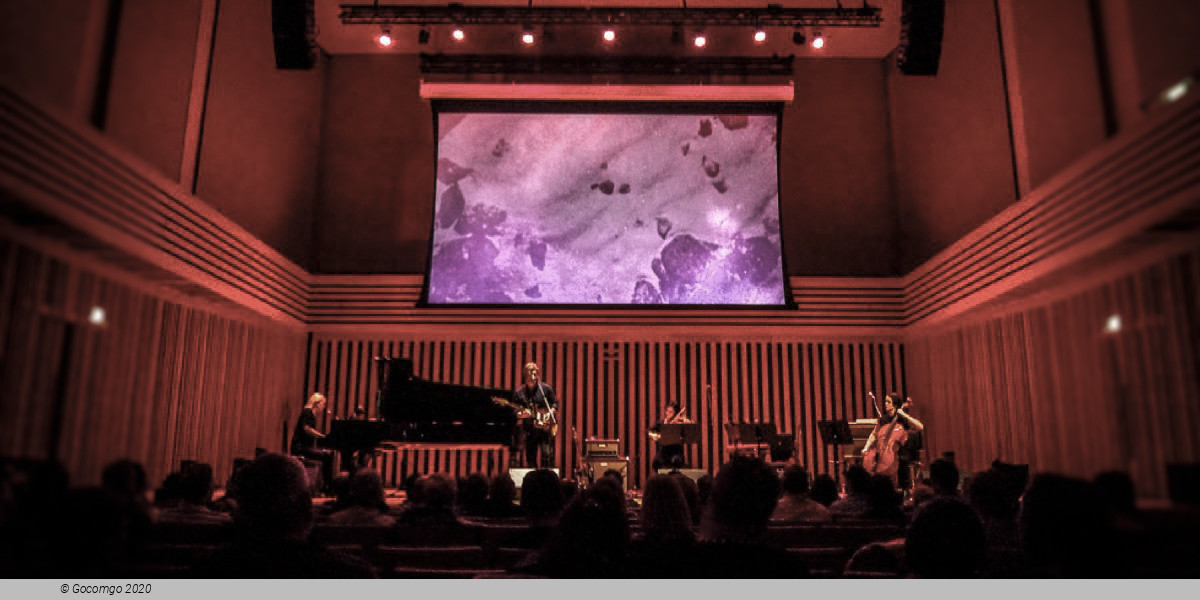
point(881, 454)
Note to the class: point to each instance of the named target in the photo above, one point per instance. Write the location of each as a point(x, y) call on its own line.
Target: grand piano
point(414, 410)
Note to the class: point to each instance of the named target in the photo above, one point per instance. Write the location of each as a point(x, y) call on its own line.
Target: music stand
point(836, 432)
point(678, 433)
point(759, 435)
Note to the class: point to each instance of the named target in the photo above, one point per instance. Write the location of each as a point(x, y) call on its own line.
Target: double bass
point(881, 458)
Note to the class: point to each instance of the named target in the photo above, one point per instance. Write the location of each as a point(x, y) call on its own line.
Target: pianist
point(306, 434)
point(538, 397)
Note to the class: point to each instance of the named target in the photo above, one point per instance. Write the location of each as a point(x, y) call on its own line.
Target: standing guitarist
point(538, 398)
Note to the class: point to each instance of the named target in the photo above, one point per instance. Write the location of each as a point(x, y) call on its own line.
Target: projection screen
point(608, 207)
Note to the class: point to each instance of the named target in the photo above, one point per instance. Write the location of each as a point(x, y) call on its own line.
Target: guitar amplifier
point(594, 448)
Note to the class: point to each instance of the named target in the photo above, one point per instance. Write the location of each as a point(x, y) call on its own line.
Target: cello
point(881, 457)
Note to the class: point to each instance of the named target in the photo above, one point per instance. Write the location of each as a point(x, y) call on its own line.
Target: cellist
point(881, 453)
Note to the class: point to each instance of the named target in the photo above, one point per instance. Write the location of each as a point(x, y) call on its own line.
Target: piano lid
point(429, 411)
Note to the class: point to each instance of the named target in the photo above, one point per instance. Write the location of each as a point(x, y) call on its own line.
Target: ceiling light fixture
point(384, 39)
point(818, 41)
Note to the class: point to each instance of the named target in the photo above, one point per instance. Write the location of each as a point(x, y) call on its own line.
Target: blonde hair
point(314, 399)
point(529, 366)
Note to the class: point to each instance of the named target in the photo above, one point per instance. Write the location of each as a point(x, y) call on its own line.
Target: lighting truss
point(458, 64)
point(453, 14)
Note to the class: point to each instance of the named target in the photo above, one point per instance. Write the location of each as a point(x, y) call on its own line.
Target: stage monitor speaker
point(292, 29)
point(693, 474)
point(518, 476)
point(599, 465)
point(920, 47)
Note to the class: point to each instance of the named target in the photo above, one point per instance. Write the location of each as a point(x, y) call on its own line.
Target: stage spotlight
point(458, 34)
point(423, 36)
point(699, 40)
point(798, 38)
point(609, 35)
point(818, 41)
point(760, 36)
point(384, 39)
point(527, 38)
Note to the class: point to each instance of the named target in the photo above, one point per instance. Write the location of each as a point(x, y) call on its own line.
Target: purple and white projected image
point(606, 209)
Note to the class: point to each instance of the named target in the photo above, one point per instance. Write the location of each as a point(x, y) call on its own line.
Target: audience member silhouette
point(1116, 488)
point(884, 499)
point(691, 493)
point(195, 492)
point(365, 503)
point(824, 490)
point(1066, 529)
point(542, 503)
point(591, 541)
point(666, 518)
point(996, 500)
point(169, 494)
point(857, 502)
point(945, 540)
point(943, 478)
point(125, 480)
point(431, 508)
point(273, 519)
point(732, 531)
point(665, 546)
point(541, 498)
point(472, 496)
point(704, 487)
point(795, 505)
point(502, 497)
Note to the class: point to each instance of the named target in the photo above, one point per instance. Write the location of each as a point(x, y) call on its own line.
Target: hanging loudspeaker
point(292, 28)
point(920, 46)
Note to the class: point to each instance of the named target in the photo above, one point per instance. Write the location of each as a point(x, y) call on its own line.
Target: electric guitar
point(543, 419)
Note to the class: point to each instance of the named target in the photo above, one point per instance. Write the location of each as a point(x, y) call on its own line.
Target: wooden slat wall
point(160, 383)
point(71, 175)
point(617, 389)
point(395, 463)
point(1047, 385)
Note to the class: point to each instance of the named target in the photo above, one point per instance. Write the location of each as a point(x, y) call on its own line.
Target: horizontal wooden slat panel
point(345, 300)
point(81, 184)
point(1145, 177)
